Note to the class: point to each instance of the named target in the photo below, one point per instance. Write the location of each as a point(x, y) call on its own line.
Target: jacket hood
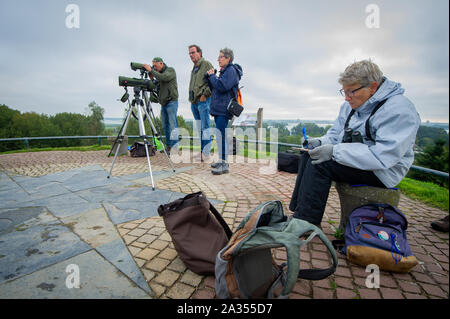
point(238, 69)
point(386, 90)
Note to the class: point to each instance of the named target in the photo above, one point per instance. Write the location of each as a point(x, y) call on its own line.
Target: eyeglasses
point(351, 93)
point(222, 57)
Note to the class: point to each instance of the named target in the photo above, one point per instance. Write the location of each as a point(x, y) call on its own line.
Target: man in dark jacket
point(224, 88)
point(167, 97)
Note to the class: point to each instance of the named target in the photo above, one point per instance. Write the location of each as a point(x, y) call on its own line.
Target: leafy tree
point(96, 125)
point(312, 130)
point(426, 135)
point(434, 157)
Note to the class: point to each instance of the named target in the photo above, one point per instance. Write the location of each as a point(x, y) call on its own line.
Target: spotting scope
point(137, 66)
point(135, 82)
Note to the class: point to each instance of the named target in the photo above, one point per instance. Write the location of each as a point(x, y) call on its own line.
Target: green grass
point(426, 192)
point(71, 148)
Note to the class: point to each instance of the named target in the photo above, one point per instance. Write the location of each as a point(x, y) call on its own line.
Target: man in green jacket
point(167, 97)
point(200, 98)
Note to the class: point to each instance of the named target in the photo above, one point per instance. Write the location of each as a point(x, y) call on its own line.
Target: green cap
point(157, 59)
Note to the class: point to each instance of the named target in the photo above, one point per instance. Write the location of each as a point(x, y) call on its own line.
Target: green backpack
point(245, 267)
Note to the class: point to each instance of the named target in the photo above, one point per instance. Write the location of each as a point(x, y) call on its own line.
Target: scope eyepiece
point(137, 66)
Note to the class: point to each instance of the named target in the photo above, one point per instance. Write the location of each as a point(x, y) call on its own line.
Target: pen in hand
point(305, 142)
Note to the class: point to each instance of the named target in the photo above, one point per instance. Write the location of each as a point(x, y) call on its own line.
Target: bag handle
point(297, 228)
point(318, 274)
point(220, 219)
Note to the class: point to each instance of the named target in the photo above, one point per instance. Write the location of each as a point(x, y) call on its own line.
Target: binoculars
point(351, 136)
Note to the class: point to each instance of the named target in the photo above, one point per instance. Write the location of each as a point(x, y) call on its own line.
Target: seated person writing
point(371, 141)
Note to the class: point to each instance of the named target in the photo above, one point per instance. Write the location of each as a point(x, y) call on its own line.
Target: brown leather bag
point(198, 231)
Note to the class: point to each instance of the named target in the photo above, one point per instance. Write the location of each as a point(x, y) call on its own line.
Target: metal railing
point(100, 138)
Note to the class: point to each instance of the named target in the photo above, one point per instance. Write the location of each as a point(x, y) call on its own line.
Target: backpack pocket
point(380, 236)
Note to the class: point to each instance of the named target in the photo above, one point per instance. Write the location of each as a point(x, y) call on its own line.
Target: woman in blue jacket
point(224, 88)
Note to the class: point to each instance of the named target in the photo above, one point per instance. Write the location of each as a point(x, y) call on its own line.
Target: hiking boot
point(441, 224)
point(216, 164)
point(222, 168)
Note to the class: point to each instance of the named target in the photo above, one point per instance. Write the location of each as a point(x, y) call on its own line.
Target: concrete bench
point(353, 196)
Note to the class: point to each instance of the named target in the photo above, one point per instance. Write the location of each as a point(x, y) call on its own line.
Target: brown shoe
point(441, 224)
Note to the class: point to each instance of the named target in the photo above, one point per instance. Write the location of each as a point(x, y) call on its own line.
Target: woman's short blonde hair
point(362, 72)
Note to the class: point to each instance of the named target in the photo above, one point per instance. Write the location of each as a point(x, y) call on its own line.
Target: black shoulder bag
point(234, 108)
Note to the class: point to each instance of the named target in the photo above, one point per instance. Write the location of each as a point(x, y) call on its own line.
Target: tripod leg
point(148, 163)
point(142, 134)
point(155, 131)
point(120, 139)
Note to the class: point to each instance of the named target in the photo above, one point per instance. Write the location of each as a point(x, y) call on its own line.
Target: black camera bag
point(138, 150)
point(234, 108)
point(288, 162)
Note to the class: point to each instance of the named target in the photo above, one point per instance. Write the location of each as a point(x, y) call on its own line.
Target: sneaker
point(216, 164)
point(441, 224)
point(222, 168)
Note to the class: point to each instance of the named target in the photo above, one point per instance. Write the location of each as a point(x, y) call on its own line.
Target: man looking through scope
point(167, 98)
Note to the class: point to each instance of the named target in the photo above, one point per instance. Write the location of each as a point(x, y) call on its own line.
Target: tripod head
point(137, 97)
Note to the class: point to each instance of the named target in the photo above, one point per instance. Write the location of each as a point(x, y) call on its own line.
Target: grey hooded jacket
point(393, 127)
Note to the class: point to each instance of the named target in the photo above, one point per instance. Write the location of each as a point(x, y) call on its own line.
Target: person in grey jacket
point(383, 123)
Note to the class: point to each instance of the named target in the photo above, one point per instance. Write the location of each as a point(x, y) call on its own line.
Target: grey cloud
point(291, 51)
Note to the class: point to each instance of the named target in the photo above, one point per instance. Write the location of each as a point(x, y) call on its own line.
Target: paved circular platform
point(58, 209)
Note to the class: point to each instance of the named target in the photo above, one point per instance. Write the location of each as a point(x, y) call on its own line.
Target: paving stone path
point(234, 195)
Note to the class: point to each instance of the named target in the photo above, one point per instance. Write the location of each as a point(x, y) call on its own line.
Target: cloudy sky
point(291, 51)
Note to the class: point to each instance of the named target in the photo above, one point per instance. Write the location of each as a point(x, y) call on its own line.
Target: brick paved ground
point(242, 190)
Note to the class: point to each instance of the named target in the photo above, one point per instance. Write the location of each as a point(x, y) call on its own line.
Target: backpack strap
point(297, 228)
point(348, 119)
point(319, 274)
point(368, 135)
point(367, 125)
point(220, 219)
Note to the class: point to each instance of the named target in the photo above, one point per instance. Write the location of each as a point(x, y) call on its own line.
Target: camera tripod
point(139, 103)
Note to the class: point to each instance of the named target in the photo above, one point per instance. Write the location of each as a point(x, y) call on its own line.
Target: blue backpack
point(376, 234)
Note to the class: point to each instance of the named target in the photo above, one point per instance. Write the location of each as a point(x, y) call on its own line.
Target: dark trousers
point(221, 125)
point(313, 186)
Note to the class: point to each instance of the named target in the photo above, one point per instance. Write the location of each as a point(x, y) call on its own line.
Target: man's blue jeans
point(221, 125)
point(200, 111)
point(170, 122)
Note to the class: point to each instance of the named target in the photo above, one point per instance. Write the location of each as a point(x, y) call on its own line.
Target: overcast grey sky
point(291, 52)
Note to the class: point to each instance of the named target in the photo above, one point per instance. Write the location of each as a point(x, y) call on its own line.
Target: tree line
point(14, 124)
point(432, 143)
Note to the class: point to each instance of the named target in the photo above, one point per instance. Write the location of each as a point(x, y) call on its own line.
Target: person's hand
point(311, 143)
point(210, 71)
point(148, 68)
point(321, 154)
point(202, 98)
